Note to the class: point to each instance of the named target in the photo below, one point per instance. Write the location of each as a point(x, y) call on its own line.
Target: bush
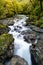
point(36, 10)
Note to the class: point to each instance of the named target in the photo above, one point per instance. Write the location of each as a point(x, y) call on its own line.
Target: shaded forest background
point(32, 8)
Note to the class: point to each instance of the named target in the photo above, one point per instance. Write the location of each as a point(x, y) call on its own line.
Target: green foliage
point(5, 40)
point(36, 10)
point(39, 22)
point(11, 7)
point(41, 25)
point(2, 26)
point(3, 29)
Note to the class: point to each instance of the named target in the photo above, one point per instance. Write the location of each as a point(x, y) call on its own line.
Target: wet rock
point(41, 36)
point(40, 54)
point(34, 58)
point(30, 37)
point(37, 52)
point(7, 21)
point(37, 29)
point(26, 32)
point(16, 60)
point(26, 39)
point(19, 27)
point(11, 22)
point(1, 64)
point(6, 46)
point(4, 29)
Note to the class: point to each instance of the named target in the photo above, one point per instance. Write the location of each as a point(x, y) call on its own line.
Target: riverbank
point(10, 46)
point(6, 43)
point(36, 20)
point(24, 34)
point(37, 48)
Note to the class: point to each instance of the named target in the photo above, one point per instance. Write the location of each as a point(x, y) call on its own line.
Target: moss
point(37, 22)
point(33, 23)
point(36, 10)
point(3, 29)
point(5, 40)
point(2, 26)
point(41, 25)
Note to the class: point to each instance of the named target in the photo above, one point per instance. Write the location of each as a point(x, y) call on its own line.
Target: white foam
point(21, 48)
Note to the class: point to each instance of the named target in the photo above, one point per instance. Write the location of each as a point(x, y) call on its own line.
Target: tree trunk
point(41, 4)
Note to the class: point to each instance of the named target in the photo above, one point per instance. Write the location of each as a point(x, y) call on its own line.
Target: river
point(21, 47)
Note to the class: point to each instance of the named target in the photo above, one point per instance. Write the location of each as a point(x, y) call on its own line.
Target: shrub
point(36, 10)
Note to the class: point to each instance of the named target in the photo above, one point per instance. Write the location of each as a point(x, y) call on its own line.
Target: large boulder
point(36, 29)
point(16, 60)
point(30, 37)
point(40, 52)
point(11, 22)
point(37, 53)
point(1, 64)
point(34, 57)
point(7, 21)
point(27, 32)
point(6, 46)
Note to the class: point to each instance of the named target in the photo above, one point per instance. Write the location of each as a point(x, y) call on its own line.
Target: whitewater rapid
point(21, 47)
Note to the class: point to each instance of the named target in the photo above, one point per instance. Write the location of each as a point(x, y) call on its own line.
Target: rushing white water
point(21, 47)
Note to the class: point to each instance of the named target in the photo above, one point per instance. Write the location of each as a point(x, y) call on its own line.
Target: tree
point(41, 4)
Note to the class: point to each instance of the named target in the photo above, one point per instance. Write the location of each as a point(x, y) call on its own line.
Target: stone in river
point(16, 60)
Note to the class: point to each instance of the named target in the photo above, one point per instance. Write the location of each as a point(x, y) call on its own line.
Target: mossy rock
point(5, 41)
point(38, 23)
point(41, 25)
point(1, 64)
point(3, 26)
point(33, 23)
point(16, 60)
point(3, 29)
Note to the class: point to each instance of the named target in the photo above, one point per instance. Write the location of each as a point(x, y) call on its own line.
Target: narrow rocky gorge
point(22, 42)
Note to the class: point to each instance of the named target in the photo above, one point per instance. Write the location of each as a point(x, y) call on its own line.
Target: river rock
point(6, 46)
point(11, 22)
point(37, 52)
point(1, 64)
point(41, 36)
point(30, 37)
point(7, 21)
point(4, 29)
point(34, 58)
point(17, 27)
point(26, 32)
point(16, 60)
point(37, 29)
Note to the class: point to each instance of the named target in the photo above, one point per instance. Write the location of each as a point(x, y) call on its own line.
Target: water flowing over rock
point(22, 48)
point(37, 46)
point(16, 60)
point(26, 41)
